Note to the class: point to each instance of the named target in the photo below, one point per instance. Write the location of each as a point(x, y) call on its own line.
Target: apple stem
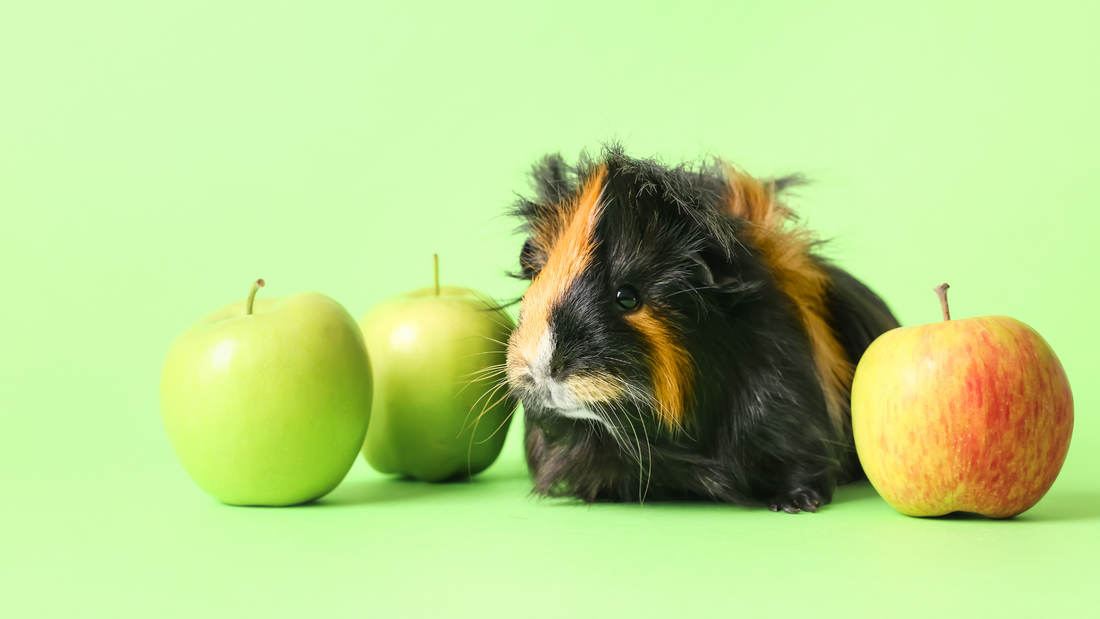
point(435, 263)
point(941, 291)
point(252, 297)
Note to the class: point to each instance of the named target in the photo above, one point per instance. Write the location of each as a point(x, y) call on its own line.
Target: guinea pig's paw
point(795, 500)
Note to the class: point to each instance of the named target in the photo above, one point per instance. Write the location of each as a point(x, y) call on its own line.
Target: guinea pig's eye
point(628, 298)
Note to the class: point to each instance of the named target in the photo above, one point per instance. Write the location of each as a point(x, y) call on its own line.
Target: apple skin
point(432, 355)
point(970, 415)
point(271, 408)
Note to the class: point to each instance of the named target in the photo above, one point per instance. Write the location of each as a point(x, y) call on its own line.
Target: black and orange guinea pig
point(681, 339)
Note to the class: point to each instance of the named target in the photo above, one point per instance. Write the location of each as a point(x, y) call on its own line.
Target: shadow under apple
point(861, 490)
point(388, 489)
point(1064, 506)
point(1054, 507)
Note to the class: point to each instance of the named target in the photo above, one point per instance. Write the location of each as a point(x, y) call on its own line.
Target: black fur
point(758, 432)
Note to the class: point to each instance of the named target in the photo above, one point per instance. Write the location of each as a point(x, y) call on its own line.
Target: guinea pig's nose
point(556, 368)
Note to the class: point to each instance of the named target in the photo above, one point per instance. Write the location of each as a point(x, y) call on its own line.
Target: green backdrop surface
point(155, 158)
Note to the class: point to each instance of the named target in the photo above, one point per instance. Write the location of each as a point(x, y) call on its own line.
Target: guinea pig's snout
point(551, 372)
point(541, 376)
point(548, 386)
point(529, 357)
point(537, 372)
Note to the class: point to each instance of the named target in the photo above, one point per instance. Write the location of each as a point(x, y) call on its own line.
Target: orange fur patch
point(593, 389)
point(568, 239)
point(671, 366)
point(786, 248)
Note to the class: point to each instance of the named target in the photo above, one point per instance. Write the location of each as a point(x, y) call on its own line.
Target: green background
point(155, 158)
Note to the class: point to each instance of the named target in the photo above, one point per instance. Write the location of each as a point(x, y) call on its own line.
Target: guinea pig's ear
point(530, 263)
point(552, 179)
point(716, 269)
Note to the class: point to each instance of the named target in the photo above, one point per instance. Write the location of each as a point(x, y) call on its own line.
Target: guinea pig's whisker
point(484, 352)
point(633, 391)
point(615, 433)
point(470, 448)
point(502, 398)
point(607, 414)
point(474, 405)
point(493, 340)
point(487, 396)
point(488, 375)
point(477, 422)
point(484, 337)
point(485, 370)
point(698, 298)
point(493, 303)
point(485, 374)
point(637, 455)
point(642, 472)
point(482, 378)
point(467, 383)
point(626, 388)
point(607, 410)
point(639, 395)
point(509, 416)
point(503, 325)
point(597, 405)
point(649, 477)
point(615, 411)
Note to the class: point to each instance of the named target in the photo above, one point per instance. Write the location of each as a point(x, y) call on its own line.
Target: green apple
point(441, 406)
point(970, 415)
point(268, 407)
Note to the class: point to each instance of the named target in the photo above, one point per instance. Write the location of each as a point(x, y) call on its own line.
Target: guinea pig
point(681, 339)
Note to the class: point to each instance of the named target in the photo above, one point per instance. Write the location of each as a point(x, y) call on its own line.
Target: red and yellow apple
point(971, 415)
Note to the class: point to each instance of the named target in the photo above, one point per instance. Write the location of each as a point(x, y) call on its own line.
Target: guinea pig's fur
point(680, 339)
